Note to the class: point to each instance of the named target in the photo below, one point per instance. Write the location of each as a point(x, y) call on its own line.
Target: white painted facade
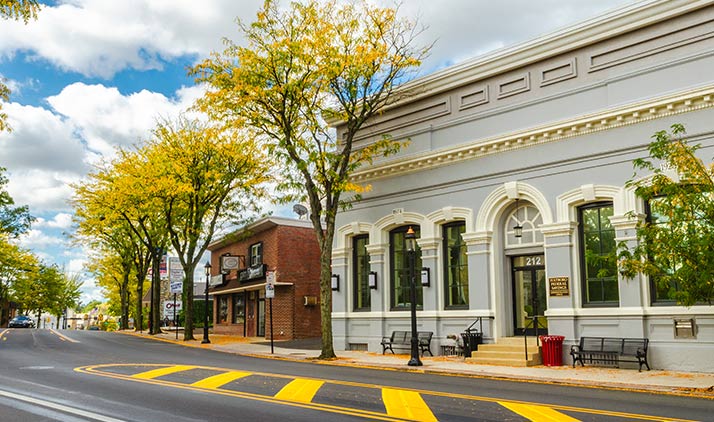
point(555, 123)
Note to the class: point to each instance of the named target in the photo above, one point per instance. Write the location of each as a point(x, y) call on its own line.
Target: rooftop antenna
point(300, 210)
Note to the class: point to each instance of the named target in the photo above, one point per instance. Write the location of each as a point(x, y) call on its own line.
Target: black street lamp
point(410, 238)
point(205, 340)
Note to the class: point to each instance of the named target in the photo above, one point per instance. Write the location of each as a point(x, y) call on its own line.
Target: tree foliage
point(200, 177)
point(13, 220)
point(675, 243)
point(16, 10)
point(311, 62)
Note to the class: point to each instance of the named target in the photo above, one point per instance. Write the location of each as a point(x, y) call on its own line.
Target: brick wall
point(293, 253)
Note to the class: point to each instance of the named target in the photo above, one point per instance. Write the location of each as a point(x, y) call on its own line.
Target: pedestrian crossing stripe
point(301, 390)
point(400, 404)
point(407, 405)
point(537, 413)
point(217, 381)
point(155, 373)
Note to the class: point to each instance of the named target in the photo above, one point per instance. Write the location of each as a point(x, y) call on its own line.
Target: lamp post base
point(414, 362)
point(204, 341)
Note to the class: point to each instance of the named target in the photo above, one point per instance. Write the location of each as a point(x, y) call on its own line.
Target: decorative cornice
point(558, 229)
point(477, 238)
point(689, 101)
point(626, 221)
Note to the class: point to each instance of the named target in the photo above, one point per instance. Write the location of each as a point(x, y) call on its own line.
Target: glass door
point(261, 316)
point(529, 295)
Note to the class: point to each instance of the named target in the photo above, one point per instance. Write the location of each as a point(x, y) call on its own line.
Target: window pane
point(455, 265)
point(361, 273)
point(238, 308)
point(399, 280)
point(598, 254)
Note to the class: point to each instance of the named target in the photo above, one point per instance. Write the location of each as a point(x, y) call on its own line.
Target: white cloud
point(36, 239)
point(106, 119)
point(59, 221)
point(102, 37)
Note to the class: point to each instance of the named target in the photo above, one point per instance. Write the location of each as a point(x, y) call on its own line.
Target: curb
point(650, 389)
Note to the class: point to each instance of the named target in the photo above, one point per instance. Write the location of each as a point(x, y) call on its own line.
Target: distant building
point(538, 137)
point(287, 247)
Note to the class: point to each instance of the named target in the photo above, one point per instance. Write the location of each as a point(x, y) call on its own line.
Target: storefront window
point(360, 272)
point(239, 308)
point(456, 271)
point(399, 280)
point(598, 255)
point(223, 309)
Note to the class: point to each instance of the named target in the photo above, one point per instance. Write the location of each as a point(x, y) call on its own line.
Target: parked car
point(21, 321)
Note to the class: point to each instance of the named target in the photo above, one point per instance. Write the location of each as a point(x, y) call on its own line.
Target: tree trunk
point(156, 294)
point(139, 321)
point(188, 304)
point(124, 298)
point(328, 350)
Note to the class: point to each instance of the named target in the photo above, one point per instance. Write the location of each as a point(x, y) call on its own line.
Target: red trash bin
point(552, 350)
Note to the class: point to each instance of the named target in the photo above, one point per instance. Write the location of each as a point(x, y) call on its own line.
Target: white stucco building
point(541, 135)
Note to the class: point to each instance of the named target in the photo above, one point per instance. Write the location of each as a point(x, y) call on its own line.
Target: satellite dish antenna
point(300, 210)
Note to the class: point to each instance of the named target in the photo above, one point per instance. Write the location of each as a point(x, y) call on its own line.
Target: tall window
point(239, 308)
point(360, 272)
point(598, 255)
point(456, 271)
point(399, 280)
point(256, 254)
point(660, 294)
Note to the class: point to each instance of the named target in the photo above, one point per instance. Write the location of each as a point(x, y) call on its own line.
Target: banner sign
point(252, 273)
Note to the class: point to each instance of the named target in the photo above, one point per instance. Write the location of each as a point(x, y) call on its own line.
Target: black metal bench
point(610, 351)
point(403, 340)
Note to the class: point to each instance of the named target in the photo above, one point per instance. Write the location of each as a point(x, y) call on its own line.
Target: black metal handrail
point(480, 324)
point(534, 322)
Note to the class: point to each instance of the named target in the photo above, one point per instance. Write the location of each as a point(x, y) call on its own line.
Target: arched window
point(528, 217)
point(399, 278)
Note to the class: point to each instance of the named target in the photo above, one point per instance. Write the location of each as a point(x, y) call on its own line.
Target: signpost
point(270, 294)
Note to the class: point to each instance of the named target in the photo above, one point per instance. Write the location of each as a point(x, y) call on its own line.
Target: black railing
point(533, 323)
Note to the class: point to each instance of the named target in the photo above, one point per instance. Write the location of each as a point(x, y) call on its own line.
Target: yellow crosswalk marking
point(300, 390)
point(155, 373)
point(220, 379)
point(407, 405)
point(537, 413)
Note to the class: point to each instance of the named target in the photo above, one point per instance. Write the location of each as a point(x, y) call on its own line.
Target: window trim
point(355, 269)
point(445, 251)
point(583, 264)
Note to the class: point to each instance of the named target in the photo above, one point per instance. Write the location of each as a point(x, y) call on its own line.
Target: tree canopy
point(675, 238)
point(314, 61)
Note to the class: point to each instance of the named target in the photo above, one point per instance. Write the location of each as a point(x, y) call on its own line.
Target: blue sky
point(92, 75)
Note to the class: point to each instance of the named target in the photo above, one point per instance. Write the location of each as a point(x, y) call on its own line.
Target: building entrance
point(529, 295)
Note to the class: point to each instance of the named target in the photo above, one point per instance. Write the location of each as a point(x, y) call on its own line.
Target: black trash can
point(471, 339)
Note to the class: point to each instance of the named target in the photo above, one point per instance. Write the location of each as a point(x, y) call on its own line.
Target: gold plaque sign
point(559, 286)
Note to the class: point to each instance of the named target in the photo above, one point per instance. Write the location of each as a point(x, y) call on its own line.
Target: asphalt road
point(98, 376)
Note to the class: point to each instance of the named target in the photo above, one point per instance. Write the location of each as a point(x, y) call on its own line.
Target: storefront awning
point(247, 288)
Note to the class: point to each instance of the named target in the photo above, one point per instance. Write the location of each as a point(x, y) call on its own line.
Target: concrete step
point(487, 354)
point(532, 348)
point(533, 361)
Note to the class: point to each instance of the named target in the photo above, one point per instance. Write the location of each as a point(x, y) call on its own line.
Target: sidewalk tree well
point(674, 240)
point(301, 65)
point(200, 177)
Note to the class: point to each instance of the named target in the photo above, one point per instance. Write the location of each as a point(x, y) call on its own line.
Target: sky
point(89, 76)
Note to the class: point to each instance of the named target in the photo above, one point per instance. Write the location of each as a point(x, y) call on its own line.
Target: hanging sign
point(559, 286)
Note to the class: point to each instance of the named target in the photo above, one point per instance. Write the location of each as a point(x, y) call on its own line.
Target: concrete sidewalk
point(664, 382)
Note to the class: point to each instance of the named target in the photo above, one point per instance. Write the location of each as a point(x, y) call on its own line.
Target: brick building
point(283, 245)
